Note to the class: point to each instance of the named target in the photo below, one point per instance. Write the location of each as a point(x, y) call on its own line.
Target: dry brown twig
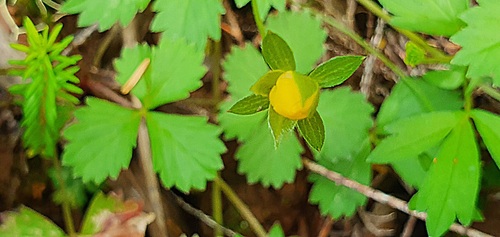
point(384, 198)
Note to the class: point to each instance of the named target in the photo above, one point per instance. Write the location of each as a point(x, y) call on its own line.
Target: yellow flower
point(294, 96)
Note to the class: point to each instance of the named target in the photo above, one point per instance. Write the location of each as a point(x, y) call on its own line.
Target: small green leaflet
point(104, 13)
point(347, 119)
point(277, 53)
point(100, 144)
point(276, 231)
point(264, 85)
point(264, 6)
point(250, 105)
point(488, 126)
point(452, 185)
point(411, 97)
point(200, 20)
point(292, 27)
point(480, 41)
point(434, 17)
point(28, 222)
point(335, 200)
point(186, 150)
point(336, 70)
point(414, 135)
point(175, 71)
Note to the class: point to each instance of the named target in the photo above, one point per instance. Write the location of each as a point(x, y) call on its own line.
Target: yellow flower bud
point(294, 96)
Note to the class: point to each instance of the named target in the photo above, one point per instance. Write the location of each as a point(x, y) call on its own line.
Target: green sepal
point(277, 53)
point(250, 105)
point(264, 85)
point(336, 70)
point(280, 126)
point(414, 54)
point(313, 130)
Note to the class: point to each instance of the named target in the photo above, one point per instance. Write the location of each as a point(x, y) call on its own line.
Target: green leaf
point(28, 222)
point(434, 17)
point(313, 131)
point(100, 143)
point(250, 105)
point(264, 85)
point(480, 41)
point(175, 70)
point(336, 200)
point(415, 55)
point(412, 170)
point(98, 204)
point(277, 53)
point(280, 126)
point(446, 194)
point(450, 79)
point(262, 162)
point(276, 231)
point(488, 126)
point(74, 191)
point(412, 136)
point(190, 19)
point(186, 150)
point(264, 6)
point(336, 70)
point(347, 119)
point(104, 13)
point(292, 27)
point(411, 97)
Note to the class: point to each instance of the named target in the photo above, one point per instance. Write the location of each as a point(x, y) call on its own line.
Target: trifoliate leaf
point(250, 105)
point(98, 204)
point(190, 19)
point(276, 231)
point(336, 200)
point(410, 97)
point(434, 17)
point(347, 119)
point(28, 222)
point(100, 143)
point(280, 126)
point(264, 6)
point(488, 126)
point(262, 162)
point(450, 79)
point(313, 131)
point(186, 150)
point(277, 53)
point(336, 70)
point(480, 41)
point(451, 188)
point(175, 70)
point(414, 135)
point(264, 85)
point(104, 13)
point(292, 27)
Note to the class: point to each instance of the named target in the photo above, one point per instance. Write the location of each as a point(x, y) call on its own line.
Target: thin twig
point(384, 198)
point(233, 23)
point(208, 220)
point(326, 227)
point(367, 78)
point(409, 227)
point(80, 38)
point(494, 93)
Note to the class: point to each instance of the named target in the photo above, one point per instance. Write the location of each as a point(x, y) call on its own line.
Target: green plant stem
point(495, 94)
point(216, 70)
point(358, 39)
point(257, 19)
point(415, 38)
point(66, 208)
point(217, 208)
point(241, 207)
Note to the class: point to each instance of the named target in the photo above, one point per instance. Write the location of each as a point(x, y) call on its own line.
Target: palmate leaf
point(293, 27)
point(100, 143)
point(435, 17)
point(175, 71)
point(335, 200)
point(28, 222)
point(451, 188)
point(264, 6)
point(104, 13)
point(414, 135)
point(200, 20)
point(185, 150)
point(480, 41)
point(488, 126)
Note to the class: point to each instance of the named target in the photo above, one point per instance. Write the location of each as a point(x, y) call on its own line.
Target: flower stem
point(257, 19)
point(66, 207)
point(217, 208)
point(495, 94)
